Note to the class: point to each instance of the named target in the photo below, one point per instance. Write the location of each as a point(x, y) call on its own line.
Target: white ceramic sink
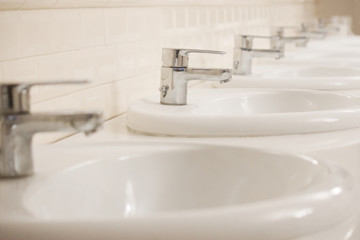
point(326, 78)
point(346, 56)
point(175, 191)
point(317, 72)
point(236, 112)
point(336, 43)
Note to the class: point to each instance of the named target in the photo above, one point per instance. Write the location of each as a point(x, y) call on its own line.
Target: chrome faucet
point(306, 31)
point(175, 74)
point(244, 53)
point(326, 26)
point(18, 125)
point(279, 42)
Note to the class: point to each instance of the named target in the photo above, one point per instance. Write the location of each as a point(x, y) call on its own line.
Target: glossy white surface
point(161, 190)
point(316, 72)
point(328, 78)
point(234, 112)
point(327, 65)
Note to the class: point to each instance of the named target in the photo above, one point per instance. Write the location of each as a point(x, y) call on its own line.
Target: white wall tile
point(38, 4)
point(35, 4)
point(115, 25)
point(192, 17)
point(64, 66)
point(97, 99)
point(180, 18)
point(42, 107)
point(80, 4)
point(35, 32)
point(126, 60)
point(11, 4)
point(221, 11)
point(152, 27)
point(203, 16)
point(55, 66)
point(67, 29)
point(229, 14)
point(9, 29)
point(92, 27)
point(94, 3)
point(167, 18)
point(83, 64)
point(146, 56)
point(20, 70)
point(213, 16)
point(131, 89)
point(105, 62)
point(135, 23)
point(119, 48)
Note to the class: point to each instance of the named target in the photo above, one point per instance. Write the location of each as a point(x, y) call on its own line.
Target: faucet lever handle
point(180, 57)
point(15, 96)
point(186, 52)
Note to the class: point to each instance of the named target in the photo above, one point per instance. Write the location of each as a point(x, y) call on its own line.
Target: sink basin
point(310, 77)
point(235, 112)
point(169, 181)
point(175, 191)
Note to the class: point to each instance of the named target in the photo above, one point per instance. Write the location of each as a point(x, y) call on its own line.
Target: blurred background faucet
point(244, 53)
point(310, 33)
point(327, 26)
point(279, 42)
point(175, 74)
point(18, 126)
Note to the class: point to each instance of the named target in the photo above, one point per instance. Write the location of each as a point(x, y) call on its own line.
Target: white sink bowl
point(323, 78)
point(235, 112)
point(167, 191)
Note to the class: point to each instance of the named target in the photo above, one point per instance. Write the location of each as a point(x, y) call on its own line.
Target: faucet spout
point(221, 75)
point(266, 53)
point(299, 41)
point(243, 58)
point(280, 42)
point(314, 34)
point(47, 122)
point(175, 80)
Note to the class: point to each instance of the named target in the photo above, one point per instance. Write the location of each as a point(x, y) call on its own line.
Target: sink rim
point(147, 116)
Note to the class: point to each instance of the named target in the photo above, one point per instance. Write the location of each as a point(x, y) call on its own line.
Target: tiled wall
point(117, 44)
